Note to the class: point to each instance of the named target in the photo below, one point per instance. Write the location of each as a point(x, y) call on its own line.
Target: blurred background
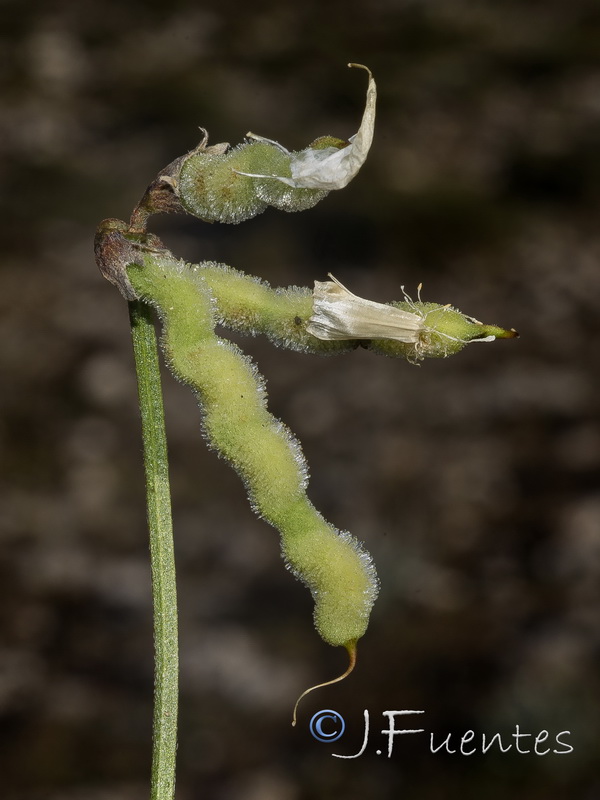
point(473, 481)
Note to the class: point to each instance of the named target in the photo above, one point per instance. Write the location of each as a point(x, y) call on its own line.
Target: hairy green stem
point(164, 591)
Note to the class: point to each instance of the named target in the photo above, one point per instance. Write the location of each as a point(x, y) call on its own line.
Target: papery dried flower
point(328, 166)
point(430, 329)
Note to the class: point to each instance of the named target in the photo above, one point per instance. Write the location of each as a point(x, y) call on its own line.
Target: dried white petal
point(340, 314)
point(330, 167)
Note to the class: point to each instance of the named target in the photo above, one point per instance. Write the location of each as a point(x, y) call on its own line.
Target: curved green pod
point(338, 571)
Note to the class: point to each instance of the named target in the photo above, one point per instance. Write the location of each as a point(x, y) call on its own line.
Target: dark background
point(473, 481)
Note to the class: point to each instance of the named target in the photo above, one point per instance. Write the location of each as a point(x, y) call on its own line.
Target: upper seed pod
point(234, 184)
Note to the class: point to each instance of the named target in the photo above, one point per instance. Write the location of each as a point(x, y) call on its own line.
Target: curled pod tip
point(351, 648)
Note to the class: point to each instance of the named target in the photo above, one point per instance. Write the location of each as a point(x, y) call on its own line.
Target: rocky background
point(473, 481)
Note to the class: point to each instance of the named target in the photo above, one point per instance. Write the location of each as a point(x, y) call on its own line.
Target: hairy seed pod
point(220, 184)
point(236, 422)
point(218, 188)
point(210, 186)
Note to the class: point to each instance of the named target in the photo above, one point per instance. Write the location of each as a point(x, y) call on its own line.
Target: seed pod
point(230, 185)
point(337, 570)
point(211, 186)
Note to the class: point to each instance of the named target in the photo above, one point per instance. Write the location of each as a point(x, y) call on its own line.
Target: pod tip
point(351, 648)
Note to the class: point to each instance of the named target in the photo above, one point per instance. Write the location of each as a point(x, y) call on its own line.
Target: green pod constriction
point(231, 393)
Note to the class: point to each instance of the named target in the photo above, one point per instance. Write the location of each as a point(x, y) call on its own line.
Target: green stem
point(164, 591)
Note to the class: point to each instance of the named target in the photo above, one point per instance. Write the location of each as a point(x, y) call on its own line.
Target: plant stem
point(164, 591)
